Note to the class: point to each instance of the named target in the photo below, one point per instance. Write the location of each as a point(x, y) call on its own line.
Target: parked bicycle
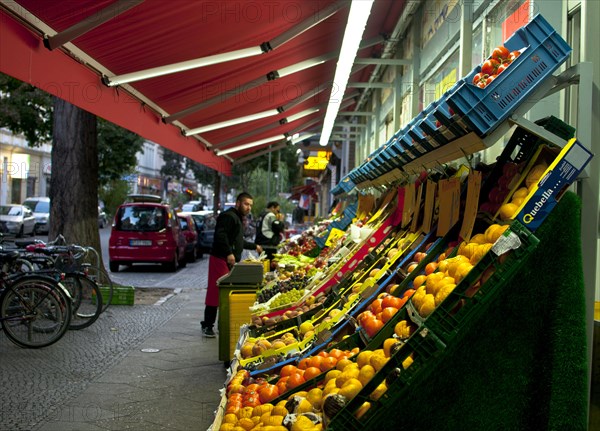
point(35, 310)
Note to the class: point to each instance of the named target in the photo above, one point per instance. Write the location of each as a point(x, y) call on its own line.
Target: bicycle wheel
point(35, 312)
point(87, 300)
point(102, 279)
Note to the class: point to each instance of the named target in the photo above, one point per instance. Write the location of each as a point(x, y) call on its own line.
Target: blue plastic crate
point(446, 115)
point(420, 139)
point(543, 51)
point(409, 146)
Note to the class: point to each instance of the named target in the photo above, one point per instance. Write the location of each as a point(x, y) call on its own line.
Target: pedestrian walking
point(226, 250)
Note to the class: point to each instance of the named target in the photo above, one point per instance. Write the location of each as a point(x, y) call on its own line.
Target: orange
point(287, 370)
point(315, 361)
point(303, 364)
point(431, 267)
point(311, 372)
point(328, 364)
point(336, 353)
point(294, 381)
point(388, 313)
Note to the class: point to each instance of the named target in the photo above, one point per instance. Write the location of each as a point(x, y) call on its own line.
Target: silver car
point(17, 219)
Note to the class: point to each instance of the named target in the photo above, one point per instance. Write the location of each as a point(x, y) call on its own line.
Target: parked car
point(40, 206)
point(17, 219)
point(102, 218)
point(146, 230)
point(188, 228)
point(191, 206)
point(205, 222)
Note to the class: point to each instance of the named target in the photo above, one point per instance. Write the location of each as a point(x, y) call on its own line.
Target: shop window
point(504, 20)
point(477, 51)
point(15, 191)
point(31, 186)
point(444, 78)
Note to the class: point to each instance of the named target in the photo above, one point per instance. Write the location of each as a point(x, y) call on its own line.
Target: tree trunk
point(74, 181)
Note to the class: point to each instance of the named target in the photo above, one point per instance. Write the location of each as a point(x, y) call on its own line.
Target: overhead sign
point(318, 162)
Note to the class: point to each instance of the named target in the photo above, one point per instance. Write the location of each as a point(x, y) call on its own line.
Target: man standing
point(269, 229)
point(226, 250)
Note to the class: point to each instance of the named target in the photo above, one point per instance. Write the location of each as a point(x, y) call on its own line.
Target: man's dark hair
point(243, 196)
point(272, 204)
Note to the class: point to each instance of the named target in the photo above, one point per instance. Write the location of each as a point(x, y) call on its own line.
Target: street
point(42, 388)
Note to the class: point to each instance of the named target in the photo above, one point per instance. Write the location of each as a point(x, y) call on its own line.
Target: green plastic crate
point(458, 311)
point(122, 295)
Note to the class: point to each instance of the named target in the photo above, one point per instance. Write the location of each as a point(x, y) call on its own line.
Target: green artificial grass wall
point(523, 365)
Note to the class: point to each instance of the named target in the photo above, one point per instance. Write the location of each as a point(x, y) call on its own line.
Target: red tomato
point(502, 68)
point(489, 66)
point(513, 55)
point(500, 53)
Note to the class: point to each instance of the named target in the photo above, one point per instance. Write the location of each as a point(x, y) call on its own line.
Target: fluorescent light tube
point(249, 145)
point(302, 114)
point(232, 122)
point(306, 64)
point(355, 27)
point(302, 138)
point(184, 65)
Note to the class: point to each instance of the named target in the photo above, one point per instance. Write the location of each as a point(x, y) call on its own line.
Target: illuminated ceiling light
point(232, 122)
point(357, 21)
point(181, 66)
point(301, 114)
point(249, 145)
point(303, 65)
point(302, 138)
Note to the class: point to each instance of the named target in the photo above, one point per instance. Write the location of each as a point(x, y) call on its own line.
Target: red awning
point(124, 36)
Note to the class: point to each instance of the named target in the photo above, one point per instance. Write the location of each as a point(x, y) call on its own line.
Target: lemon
point(379, 391)
point(351, 373)
point(315, 396)
point(367, 372)
point(443, 293)
point(378, 361)
point(363, 358)
point(427, 306)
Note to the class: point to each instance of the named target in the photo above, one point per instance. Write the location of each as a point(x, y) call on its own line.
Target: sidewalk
point(170, 381)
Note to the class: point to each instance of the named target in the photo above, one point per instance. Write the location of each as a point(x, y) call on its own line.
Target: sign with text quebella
point(471, 205)
point(429, 205)
point(449, 197)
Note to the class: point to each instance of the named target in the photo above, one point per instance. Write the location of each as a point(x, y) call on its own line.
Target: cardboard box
point(561, 173)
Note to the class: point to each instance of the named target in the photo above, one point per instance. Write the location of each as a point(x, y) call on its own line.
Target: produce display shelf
point(457, 312)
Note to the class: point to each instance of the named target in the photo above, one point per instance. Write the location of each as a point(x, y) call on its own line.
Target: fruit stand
point(445, 313)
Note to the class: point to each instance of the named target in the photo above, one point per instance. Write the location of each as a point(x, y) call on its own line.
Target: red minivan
point(146, 230)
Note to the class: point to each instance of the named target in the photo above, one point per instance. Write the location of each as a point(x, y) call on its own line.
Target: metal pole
point(269, 178)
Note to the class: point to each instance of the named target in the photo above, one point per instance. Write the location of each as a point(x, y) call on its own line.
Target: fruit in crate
point(256, 347)
point(499, 61)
